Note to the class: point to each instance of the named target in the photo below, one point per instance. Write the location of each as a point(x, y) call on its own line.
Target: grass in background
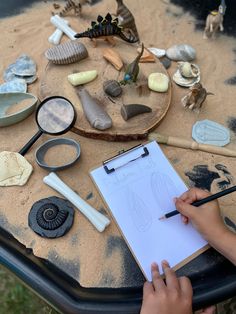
point(15, 298)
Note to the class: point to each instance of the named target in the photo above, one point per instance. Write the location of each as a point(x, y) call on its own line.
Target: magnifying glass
point(55, 116)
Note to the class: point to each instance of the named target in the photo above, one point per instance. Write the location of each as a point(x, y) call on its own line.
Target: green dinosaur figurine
point(132, 70)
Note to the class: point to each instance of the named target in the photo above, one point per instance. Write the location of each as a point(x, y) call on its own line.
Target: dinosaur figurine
point(214, 21)
point(196, 97)
point(132, 70)
point(75, 5)
point(126, 18)
point(106, 28)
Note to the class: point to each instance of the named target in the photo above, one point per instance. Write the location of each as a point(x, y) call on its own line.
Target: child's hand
point(171, 297)
point(205, 218)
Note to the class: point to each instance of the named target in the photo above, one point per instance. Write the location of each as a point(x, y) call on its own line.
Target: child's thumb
point(185, 208)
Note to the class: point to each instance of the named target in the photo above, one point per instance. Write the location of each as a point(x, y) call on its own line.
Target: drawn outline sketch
point(162, 188)
point(139, 211)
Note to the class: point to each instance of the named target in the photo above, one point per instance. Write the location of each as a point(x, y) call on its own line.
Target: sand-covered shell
point(94, 113)
point(66, 53)
point(15, 85)
point(82, 77)
point(183, 81)
point(14, 169)
point(24, 66)
point(157, 52)
point(51, 217)
point(158, 82)
point(181, 53)
point(188, 69)
point(210, 132)
point(112, 88)
point(132, 110)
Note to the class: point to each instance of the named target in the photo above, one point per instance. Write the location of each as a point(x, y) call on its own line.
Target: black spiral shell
point(51, 217)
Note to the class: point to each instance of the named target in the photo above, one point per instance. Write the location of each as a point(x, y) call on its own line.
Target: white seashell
point(82, 77)
point(16, 85)
point(158, 82)
point(210, 132)
point(188, 70)
point(157, 52)
point(24, 66)
point(185, 82)
point(181, 53)
point(14, 169)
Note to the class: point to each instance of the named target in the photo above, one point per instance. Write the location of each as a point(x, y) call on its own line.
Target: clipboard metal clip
point(123, 152)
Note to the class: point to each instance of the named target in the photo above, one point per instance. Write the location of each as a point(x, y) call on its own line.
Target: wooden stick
point(184, 143)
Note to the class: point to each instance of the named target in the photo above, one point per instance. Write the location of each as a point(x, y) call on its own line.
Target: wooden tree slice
point(55, 82)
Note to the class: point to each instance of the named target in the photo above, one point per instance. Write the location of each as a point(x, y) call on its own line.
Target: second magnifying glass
point(55, 116)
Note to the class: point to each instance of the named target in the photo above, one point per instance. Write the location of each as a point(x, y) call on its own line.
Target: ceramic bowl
point(9, 99)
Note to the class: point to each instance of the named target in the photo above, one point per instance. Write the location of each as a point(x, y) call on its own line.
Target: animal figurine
point(196, 97)
point(214, 21)
point(106, 28)
point(75, 5)
point(132, 70)
point(126, 18)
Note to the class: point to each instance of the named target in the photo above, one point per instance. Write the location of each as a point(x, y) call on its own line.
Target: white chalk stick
point(55, 38)
point(57, 21)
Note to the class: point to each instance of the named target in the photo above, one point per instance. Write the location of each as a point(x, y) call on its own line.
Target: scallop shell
point(66, 53)
point(112, 88)
point(181, 53)
point(51, 217)
point(188, 69)
point(24, 66)
point(16, 85)
point(210, 132)
point(185, 82)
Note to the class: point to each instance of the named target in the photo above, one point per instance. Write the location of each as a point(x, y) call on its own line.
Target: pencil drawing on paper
point(164, 190)
point(139, 212)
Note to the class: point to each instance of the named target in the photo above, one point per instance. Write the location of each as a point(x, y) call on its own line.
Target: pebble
point(181, 52)
point(166, 62)
point(112, 88)
point(158, 82)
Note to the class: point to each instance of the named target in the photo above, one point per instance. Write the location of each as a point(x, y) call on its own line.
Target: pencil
point(202, 201)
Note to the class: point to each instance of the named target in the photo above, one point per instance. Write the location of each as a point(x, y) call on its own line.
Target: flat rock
point(24, 66)
point(181, 52)
point(16, 85)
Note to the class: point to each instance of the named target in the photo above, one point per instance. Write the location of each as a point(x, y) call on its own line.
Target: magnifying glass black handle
point(27, 146)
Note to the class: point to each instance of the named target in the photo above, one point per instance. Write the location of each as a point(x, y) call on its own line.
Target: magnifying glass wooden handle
point(27, 146)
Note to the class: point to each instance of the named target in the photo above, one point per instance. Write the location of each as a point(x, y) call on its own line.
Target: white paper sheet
point(137, 194)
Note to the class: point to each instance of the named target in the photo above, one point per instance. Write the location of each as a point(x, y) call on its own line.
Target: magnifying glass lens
point(55, 115)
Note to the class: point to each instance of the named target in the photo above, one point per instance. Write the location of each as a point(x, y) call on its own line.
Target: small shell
point(181, 53)
point(9, 75)
point(158, 82)
point(16, 85)
point(157, 52)
point(112, 88)
point(188, 70)
point(185, 82)
point(24, 66)
point(147, 56)
point(113, 57)
point(82, 77)
point(129, 111)
point(210, 132)
point(66, 53)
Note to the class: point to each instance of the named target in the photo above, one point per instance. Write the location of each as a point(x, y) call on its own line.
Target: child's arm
point(208, 221)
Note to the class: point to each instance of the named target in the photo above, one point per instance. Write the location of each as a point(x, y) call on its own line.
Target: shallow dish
point(8, 100)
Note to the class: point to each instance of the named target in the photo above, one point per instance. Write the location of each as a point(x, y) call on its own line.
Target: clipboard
point(132, 183)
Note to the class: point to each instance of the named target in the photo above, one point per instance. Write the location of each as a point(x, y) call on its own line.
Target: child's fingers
point(157, 281)
point(171, 279)
point(147, 289)
point(186, 287)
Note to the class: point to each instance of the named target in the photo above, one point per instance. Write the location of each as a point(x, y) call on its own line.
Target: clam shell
point(210, 132)
point(188, 69)
point(157, 52)
point(185, 82)
point(158, 82)
point(112, 88)
point(181, 53)
point(82, 77)
point(24, 66)
point(9, 75)
point(66, 53)
point(16, 85)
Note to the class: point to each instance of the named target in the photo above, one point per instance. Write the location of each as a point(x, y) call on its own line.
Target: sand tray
point(54, 82)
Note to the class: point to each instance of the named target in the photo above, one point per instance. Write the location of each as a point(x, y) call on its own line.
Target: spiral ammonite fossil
point(51, 217)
